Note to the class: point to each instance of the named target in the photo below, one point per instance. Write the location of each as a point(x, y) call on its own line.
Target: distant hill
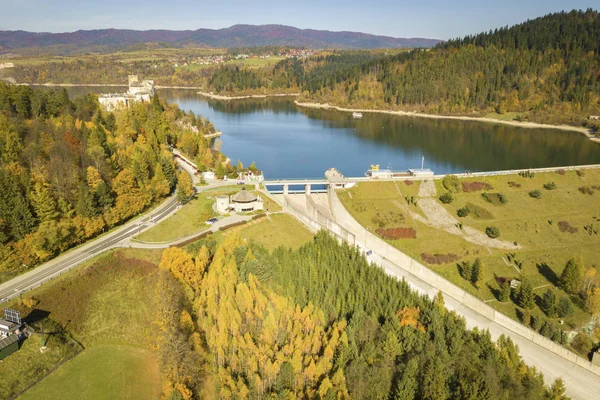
point(235, 36)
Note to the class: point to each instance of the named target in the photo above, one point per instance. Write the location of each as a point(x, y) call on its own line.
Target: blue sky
point(399, 18)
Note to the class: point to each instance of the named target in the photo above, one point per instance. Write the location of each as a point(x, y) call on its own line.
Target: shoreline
point(326, 106)
point(250, 96)
point(103, 84)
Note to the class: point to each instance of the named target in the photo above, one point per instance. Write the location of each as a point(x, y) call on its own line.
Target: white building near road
point(242, 201)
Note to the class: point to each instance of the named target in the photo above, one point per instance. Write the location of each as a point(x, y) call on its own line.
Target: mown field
point(102, 372)
point(551, 229)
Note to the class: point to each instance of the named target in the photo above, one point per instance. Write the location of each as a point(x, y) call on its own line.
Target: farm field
point(545, 232)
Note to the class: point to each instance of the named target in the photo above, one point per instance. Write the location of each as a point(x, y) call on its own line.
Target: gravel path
point(440, 218)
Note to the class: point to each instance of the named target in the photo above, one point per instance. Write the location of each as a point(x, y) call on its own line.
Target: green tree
point(477, 271)
point(557, 390)
point(571, 278)
point(43, 202)
point(407, 385)
point(185, 188)
point(549, 303)
point(565, 307)
point(526, 296)
point(504, 294)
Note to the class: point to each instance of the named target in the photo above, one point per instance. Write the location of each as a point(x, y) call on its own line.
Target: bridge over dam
point(322, 209)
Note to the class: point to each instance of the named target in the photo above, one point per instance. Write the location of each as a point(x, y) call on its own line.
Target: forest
point(70, 171)
point(320, 322)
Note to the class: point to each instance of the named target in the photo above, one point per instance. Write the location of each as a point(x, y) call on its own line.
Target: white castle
point(138, 91)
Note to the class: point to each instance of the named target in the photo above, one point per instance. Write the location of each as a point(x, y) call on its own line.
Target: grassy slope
point(281, 230)
point(104, 303)
point(191, 217)
point(523, 219)
point(102, 372)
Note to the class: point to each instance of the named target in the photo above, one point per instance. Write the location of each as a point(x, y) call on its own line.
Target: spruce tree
point(526, 296)
point(571, 278)
point(43, 202)
point(477, 271)
point(504, 294)
point(549, 303)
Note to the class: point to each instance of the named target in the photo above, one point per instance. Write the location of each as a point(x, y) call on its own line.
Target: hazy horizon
point(434, 19)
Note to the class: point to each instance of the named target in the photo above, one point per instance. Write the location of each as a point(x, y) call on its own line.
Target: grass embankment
point(191, 217)
point(108, 306)
point(277, 230)
point(530, 222)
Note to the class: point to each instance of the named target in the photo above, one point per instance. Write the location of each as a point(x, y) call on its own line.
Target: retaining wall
point(394, 255)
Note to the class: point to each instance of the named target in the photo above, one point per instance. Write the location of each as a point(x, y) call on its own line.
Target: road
point(65, 262)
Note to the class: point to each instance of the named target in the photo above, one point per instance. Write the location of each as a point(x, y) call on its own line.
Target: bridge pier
point(307, 188)
point(285, 188)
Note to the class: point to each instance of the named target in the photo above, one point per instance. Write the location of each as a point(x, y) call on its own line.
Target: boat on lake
point(356, 115)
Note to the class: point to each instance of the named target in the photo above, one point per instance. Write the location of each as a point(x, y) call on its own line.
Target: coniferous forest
point(320, 322)
point(69, 171)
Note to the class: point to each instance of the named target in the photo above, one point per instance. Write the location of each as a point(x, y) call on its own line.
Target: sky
point(439, 19)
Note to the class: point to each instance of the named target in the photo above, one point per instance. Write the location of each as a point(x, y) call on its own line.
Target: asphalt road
point(60, 264)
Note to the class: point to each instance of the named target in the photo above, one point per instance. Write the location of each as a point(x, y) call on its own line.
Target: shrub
point(565, 226)
point(527, 174)
point(514, 184)
point(536, 194)
point(565, 307)
point(561, 171)
point(447, 198)
point(550, 186)
point(451, 183)
point(502, 198)
point(486, 196)
point(586, 190)
point(580, 173)
point(463, 212)
point(582, 344)
point(439, 258)
point(492, 232)
point(397, 233)
point(475, 186)
point(408, 183)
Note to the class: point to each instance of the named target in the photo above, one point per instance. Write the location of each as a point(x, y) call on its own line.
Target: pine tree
point(185, 188)
point(477, 271)
point(557, 390)
point(571, 278)
point(504, 294)
point(43, 202)
point(526, 296)
point(407, 385)
point(549, 303)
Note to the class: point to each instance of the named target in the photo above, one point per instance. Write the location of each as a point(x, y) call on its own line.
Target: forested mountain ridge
point(234, 36)
point(544, 70)
point(69, 171)
point(308, 324)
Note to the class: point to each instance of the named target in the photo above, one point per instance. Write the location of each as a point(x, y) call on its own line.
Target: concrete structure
point(423, 173)
point(209, 175)
point(242, 201)
point(222, 204)
point(138, 91)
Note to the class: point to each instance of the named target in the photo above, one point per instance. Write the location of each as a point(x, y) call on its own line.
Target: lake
point(287, 141)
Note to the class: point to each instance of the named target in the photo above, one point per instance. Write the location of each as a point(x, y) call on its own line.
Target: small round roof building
point(242, 201)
